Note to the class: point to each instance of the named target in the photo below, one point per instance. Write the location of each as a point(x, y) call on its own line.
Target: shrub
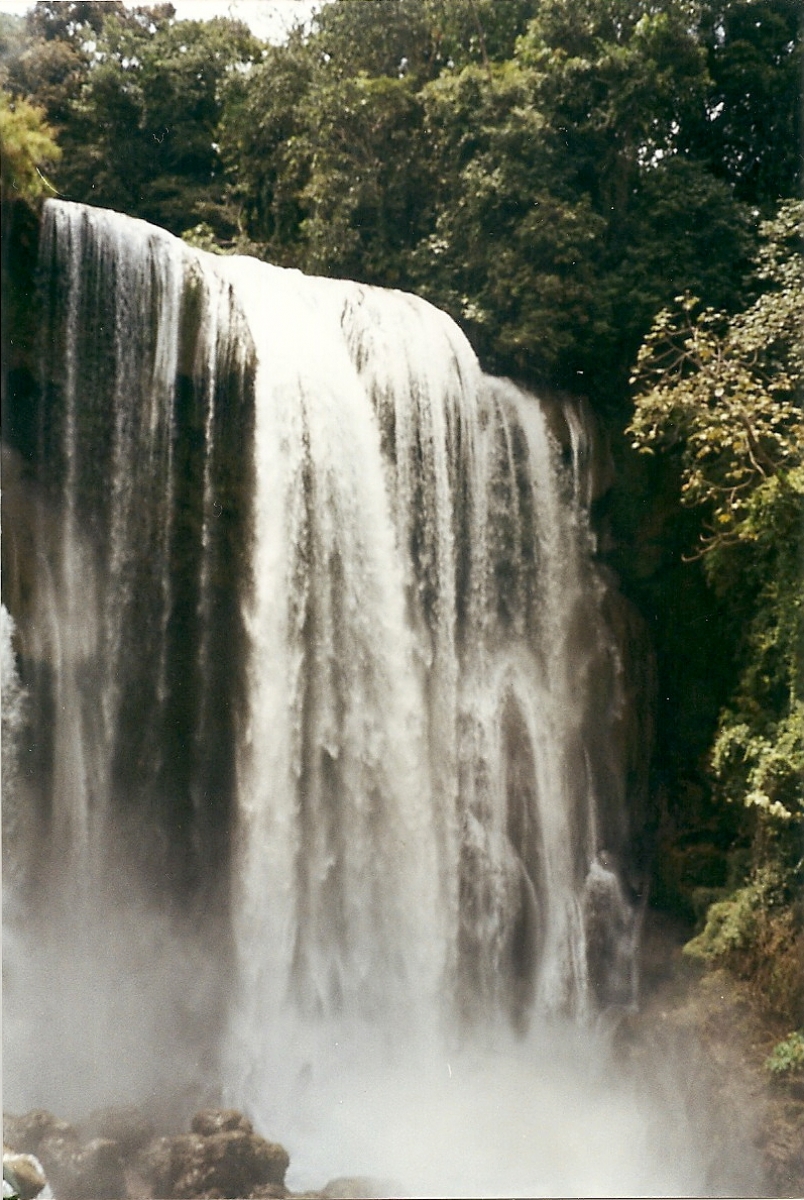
point(787, 1056)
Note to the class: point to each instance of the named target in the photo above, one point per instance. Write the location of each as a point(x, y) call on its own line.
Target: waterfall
point(424, 619)
point(318, 661)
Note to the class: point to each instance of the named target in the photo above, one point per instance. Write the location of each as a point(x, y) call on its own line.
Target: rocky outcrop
point(130, 1128)
point(221, 1157)
point(76, 1169)
point(114, 1154)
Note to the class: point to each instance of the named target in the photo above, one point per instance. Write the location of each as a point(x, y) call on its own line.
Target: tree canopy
point(552, 172)
point(137, 98)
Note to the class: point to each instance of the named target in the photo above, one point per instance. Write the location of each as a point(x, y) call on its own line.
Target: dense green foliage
point(554, 173)
point(726, 391)
point(524, 166)
point(137, 98)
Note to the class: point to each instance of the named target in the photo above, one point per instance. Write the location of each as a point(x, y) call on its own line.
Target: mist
point(126, 1011)
point(113, 1005)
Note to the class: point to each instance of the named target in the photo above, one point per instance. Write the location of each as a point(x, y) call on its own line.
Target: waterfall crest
point(318, 650)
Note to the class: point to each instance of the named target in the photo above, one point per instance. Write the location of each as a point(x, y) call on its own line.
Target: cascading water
point(329, 715)
point(423, 623)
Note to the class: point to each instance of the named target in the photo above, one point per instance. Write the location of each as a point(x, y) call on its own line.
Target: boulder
point(115, 1149)
point(26, 1133)
point(92, 1171)
point(25, 1174)
point(75, 1169)
point(230, 1162)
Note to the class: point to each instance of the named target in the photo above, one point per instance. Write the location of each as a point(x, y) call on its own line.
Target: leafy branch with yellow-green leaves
point(28, 149)
point(727, 392)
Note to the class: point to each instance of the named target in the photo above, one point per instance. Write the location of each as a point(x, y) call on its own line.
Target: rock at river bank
point(232, 1162)
point(222, 1156)
point(76, 1169)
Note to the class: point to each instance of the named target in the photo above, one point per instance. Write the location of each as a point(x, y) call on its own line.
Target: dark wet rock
point(156, 1165)
point(232, 1162)
point(25, 1133)
point(58, 1151)
point(76, 1168)
point(220, 1120)
point(93, 1171)
point(113, 1154)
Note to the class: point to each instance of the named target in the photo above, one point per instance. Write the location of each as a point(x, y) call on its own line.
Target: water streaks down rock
point(334, 738)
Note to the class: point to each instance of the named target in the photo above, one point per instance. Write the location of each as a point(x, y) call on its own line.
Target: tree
point(259, 126)
point(154, 103)
point(46, 71)
point(683, 230)
point(27, 149)
point(751, 133)
point(512, 251)
point(723, 394)
point(389, 38)
point(77, 21)
point(324, 142)
point(136, 97)
point(421, 38)
point(620, 85)
point(726, 392)
point(618, 81)
point(366, 193)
